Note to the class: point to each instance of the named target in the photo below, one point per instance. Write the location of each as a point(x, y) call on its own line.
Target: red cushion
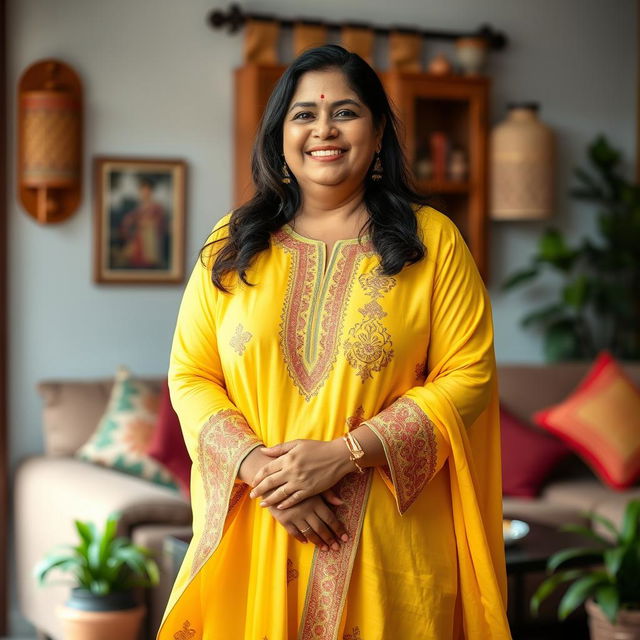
point(528, 456)
point(600, 420)
point(167, 445)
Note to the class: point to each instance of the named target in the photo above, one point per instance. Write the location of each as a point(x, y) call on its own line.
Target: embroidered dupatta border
point(331, 571)
point(224, 442)
point(410, 445)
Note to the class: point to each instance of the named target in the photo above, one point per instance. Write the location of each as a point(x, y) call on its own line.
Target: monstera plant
point(597, 304)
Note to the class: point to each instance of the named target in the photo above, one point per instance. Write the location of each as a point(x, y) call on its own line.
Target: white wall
point(158, 82)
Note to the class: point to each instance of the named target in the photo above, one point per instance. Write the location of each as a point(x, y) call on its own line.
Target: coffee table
point(531, 554)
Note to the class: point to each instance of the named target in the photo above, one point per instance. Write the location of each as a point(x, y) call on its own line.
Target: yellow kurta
point(321, 344)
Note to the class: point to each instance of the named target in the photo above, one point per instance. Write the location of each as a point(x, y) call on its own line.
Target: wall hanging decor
point(49, 141)
point(360, 40)
point(139, 220)
point(522, 166)
point(261, 42)
point(307, 35)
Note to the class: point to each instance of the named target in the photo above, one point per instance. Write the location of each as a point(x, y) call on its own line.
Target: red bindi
point(322, 95)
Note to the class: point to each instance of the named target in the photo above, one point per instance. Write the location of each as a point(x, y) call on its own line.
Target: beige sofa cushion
point(71, 412)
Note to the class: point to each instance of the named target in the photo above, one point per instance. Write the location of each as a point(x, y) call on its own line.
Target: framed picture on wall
point(140, 211)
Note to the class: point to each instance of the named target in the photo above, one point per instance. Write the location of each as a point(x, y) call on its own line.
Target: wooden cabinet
point(455, 106)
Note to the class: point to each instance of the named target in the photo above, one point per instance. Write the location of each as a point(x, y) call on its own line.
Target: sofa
point(53, 489)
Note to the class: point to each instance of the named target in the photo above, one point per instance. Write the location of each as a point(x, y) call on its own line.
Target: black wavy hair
point(392, 222)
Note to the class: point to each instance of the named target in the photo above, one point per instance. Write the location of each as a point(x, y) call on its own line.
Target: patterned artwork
point(368, 347)
point(224, 441)
point(331, 571)
point(314, 308)
point(186, 633)
point(239, 339)
point(409, 441)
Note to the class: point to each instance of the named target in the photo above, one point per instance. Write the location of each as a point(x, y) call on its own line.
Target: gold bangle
point(355, 450)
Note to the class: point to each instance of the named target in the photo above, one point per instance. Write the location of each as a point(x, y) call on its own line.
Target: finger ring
point(284, 491)
point(305, 530)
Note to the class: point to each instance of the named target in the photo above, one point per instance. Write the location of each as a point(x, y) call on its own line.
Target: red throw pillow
point(528, 456)
point(600, 420)
point(167, 445)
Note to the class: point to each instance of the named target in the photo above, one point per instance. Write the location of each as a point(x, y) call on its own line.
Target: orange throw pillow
point(600, 420)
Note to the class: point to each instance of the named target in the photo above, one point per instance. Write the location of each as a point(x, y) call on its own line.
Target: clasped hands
point(301, 469)
point(300, 475)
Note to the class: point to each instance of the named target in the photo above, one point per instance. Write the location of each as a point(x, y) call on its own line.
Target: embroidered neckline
point(315, 304)
point(287, 228)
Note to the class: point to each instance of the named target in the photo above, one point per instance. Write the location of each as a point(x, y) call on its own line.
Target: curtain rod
point(235, 19)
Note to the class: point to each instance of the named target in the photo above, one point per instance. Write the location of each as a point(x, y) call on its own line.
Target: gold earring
point(286, 176)
point(377, 172)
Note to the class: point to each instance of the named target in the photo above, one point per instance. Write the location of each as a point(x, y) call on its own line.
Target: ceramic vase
point(439, 65)
point(458, 165)
point(471, 54)
point(522, 166)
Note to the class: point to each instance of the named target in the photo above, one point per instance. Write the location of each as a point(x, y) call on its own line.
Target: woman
point(334, 304)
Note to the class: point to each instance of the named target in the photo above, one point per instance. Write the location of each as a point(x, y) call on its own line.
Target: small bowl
point(514, 530)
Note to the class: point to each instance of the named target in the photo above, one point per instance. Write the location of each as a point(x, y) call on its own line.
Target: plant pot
point(84, 600)
point(627, 625)
point(86, 616)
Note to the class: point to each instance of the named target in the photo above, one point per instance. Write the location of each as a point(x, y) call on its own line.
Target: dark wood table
point(531, 555)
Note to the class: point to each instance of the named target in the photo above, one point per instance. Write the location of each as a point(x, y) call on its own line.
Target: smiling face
point(329, 137)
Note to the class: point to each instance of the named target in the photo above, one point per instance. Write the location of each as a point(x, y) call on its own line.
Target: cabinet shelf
point(447, 186)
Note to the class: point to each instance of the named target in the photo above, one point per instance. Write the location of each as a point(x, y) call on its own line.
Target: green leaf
point(520, 277)
point(546, 314)
point(607, 597)
point(606, 523)
point(63, 563)
point(561, 341)
point(602, 154)
point(85, 531)
point(575, 293)
point(553, 250)
point(100, 587)
point(569, 554)
point(547, 587)
point(579, 591)
point(107, 538)
point(630, 522)
point(586, 532)
point(152, 571)
point(613, 560)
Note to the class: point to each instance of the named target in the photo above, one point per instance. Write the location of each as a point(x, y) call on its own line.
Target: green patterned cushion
point(125, 430)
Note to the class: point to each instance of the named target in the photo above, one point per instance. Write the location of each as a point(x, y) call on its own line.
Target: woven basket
point(627, 625)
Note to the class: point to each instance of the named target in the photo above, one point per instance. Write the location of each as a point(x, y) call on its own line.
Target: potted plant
point(610, 586)
point(106, 569)
point(597, 303)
